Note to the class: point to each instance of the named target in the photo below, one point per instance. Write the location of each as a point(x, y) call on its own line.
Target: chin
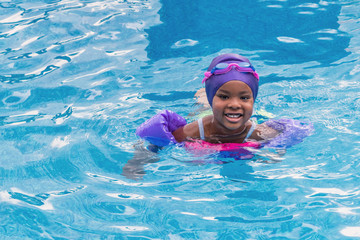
point(233, 127)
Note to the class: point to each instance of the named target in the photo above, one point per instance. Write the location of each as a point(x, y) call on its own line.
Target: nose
point(234, 103)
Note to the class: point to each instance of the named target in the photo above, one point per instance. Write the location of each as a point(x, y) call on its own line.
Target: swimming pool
point(78, 77)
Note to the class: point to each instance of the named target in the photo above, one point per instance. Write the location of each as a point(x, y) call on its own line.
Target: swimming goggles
point(222, 68)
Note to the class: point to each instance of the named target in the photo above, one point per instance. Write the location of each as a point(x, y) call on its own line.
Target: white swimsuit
point(202, 133)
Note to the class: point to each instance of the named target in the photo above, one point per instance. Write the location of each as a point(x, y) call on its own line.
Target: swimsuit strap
point(253, 125)
point(201, 129)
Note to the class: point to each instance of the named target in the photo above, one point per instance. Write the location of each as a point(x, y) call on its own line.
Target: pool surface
point(78, 77)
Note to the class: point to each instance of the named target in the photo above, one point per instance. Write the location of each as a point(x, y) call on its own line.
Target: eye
point(245, 97)
point(223, 96)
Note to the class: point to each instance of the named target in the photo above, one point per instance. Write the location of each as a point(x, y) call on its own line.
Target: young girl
point(231, 85)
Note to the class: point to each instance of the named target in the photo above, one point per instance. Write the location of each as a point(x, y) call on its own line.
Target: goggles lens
point(225, 65)
point(222, 68)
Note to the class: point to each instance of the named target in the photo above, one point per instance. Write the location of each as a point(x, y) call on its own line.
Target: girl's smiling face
point(232, 107)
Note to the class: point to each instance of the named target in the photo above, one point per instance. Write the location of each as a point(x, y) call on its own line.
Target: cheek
point(250, 108)
point(215, 104)
point(217, 110)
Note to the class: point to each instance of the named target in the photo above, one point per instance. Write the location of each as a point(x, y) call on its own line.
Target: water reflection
point(71, 76)
point(301, 32)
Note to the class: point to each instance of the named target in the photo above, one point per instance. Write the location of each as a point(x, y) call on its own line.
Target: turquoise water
point(78, 77)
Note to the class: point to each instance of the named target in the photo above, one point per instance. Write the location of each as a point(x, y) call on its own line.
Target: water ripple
point(78, 77)
point(21, 118)
point(132, 228)
point(41, 201)
point(333, 193)
point(61, 117)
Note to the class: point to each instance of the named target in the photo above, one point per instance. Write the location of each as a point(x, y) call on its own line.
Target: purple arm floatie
point(158, 129)
point(291, 132)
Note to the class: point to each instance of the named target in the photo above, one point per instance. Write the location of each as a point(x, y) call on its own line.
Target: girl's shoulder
point(190, 130)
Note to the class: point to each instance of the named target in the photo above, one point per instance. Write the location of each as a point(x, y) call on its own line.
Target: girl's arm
point(282, 133)
point(190, 130)
point(158, 131)
point(264, 133)
point(134, 168)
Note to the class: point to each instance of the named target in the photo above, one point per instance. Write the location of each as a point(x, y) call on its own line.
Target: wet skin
point(232, 108)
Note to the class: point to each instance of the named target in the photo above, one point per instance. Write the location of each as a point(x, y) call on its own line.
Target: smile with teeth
point(233, 115)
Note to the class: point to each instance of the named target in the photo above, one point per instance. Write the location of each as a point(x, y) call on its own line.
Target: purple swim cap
point(216, 81)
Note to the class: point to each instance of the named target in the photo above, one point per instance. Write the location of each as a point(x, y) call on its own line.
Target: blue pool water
point(78, 77)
